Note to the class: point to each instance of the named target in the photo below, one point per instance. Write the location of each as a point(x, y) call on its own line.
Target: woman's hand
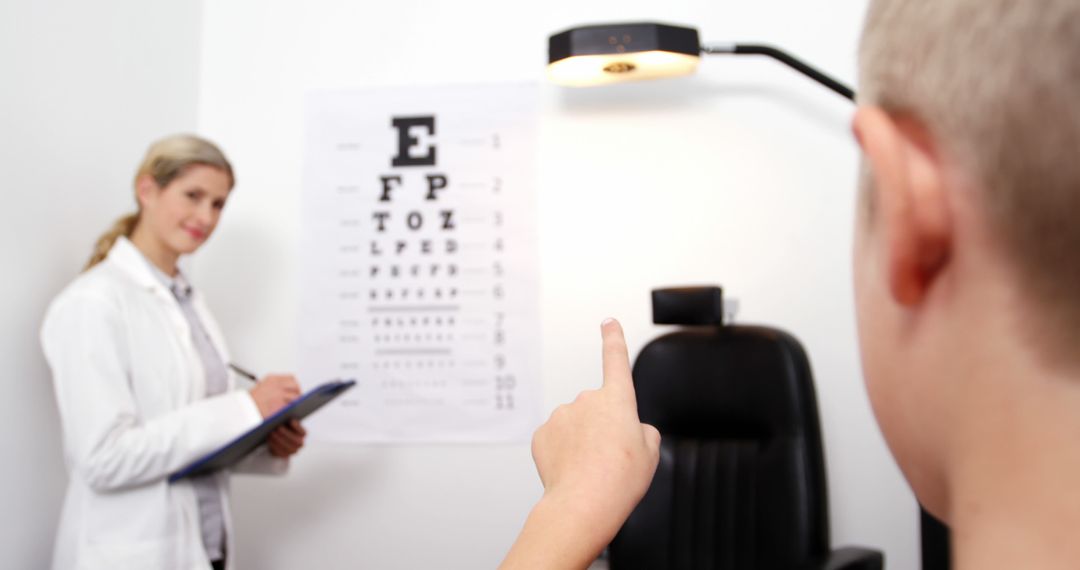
point(287, 439)
point(274, 392)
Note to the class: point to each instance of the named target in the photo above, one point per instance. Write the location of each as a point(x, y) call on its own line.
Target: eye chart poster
point(419, 266)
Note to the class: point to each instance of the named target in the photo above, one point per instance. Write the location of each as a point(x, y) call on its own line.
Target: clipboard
point(238, 448)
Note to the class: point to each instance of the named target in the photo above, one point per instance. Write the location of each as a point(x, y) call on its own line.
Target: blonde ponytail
point(122, 227)
point(165, 160)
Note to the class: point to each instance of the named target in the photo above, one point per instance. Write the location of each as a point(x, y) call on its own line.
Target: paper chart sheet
point(418, 263)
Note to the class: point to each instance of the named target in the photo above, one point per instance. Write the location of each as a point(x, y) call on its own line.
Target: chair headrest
point(688, 306)
point(735, 381)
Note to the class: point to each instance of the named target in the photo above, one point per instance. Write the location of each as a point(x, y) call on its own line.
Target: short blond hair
point(165, 160)
point(997, 83)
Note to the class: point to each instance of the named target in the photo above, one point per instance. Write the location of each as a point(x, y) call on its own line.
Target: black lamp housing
point(607, 39)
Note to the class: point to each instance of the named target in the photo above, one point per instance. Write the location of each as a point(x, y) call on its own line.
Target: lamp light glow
point(591, 70)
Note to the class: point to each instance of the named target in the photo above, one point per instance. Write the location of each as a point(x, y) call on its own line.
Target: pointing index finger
point(616, 359)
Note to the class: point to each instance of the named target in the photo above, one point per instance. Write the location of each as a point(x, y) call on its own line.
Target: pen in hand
point(273, 392)
point(243, 372)
point(288, 439)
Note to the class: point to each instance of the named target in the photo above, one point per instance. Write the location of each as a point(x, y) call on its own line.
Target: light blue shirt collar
point(179, 285)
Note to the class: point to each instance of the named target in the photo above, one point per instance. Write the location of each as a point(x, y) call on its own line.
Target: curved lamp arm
point(785, 58)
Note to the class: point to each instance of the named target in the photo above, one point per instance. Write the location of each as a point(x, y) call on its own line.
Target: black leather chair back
point(741, 480)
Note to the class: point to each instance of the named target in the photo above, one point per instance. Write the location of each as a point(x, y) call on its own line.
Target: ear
point(911, 203)
point(146, 189)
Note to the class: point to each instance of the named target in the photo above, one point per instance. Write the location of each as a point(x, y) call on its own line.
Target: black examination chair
point(741, 480)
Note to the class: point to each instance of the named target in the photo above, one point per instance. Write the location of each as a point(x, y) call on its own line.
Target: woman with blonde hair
point(142, 381)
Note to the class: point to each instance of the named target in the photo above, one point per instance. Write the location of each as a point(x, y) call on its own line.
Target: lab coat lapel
point(131, 261)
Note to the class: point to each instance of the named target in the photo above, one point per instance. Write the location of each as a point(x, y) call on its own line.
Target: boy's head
point(968, 231)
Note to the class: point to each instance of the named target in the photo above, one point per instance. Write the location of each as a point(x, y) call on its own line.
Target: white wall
point(84, 87)
point(742, 175)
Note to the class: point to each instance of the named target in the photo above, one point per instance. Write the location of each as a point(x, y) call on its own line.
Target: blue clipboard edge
point(314, 399)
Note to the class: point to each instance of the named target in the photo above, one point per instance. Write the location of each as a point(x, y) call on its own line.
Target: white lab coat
point(130, 389)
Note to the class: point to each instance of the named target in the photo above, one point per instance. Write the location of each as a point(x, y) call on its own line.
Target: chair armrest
point(854, 558)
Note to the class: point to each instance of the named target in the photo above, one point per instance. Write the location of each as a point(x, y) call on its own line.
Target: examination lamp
point(612, 53)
